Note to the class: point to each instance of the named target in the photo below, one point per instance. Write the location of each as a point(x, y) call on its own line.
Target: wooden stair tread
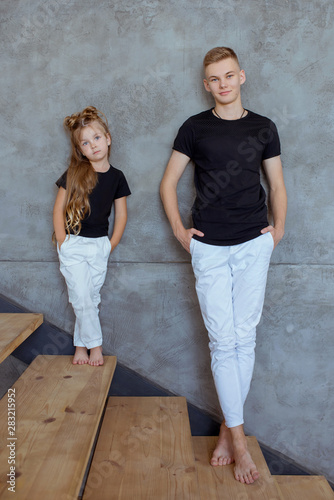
point(218, 482)
point(58, 411)
point(304, 487)
point(14, 329)
point(144, 451)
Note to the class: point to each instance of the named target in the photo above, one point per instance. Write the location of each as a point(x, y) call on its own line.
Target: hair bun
point(70, 121)
point(84, 117)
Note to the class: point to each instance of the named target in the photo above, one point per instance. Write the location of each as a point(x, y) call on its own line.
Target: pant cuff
point(94, 343)
point(234, 423)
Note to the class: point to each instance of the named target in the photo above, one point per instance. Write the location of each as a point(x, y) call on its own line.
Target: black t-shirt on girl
point(110, 186)
point(230, 205)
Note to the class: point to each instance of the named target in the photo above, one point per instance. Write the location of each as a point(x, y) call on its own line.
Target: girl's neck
point(102, 166)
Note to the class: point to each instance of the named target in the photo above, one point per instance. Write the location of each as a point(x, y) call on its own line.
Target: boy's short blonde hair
point(218, 54)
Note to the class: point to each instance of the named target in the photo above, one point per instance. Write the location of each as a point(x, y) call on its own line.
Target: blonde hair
point(81, 176)
point(219, 53)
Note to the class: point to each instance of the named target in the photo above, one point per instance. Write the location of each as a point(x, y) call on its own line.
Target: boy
point(230, 241)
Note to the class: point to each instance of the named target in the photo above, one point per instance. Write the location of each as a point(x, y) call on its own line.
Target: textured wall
point(140, 62)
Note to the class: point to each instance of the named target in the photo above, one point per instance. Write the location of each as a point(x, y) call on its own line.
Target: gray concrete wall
point(140, 62)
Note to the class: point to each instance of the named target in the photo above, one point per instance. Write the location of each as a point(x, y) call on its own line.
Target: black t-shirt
point(110, 186)
point(230, 203)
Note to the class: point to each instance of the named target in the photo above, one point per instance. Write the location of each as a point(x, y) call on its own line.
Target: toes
point(239, 478)
point(79, 361)
point(218, 461)
point(242, 478)
point(221, 461)
point(248, 479)
point(255, 475)
point(95, 362)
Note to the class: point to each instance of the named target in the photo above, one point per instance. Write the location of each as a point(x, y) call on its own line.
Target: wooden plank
point(219, 482)
point(144, 452)
point(58, 411)
point(304, 487)
point(14, 329)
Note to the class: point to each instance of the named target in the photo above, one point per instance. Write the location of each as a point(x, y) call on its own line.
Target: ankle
point(239, 441)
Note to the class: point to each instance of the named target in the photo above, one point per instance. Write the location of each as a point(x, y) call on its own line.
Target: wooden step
point(219, 483)
point(304, 488)
point(144, 452)
point(58, 408)
point(14, 329)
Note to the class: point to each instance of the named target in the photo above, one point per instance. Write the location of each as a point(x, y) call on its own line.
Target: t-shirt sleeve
point(273, 145)
point(185, 139)
point(61, 182)
point(122, 187)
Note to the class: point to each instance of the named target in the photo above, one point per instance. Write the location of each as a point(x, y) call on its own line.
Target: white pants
point(230, 285)
point(83, 263)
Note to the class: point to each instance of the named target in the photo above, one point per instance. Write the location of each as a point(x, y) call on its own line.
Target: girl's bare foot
point(95, 356)
point(80, 356)
point(223, 453)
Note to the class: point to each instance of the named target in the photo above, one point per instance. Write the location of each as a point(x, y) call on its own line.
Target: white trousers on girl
point(83, 263)
point(230, 285)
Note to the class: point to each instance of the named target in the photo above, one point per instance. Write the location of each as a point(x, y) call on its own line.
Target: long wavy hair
point(81, 176)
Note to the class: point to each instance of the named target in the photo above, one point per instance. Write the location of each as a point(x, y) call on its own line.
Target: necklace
point(215, 112)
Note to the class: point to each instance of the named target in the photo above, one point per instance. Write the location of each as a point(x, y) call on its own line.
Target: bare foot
point(223, 453)
point(245, 469)
point(80, 356)
point(95, 356)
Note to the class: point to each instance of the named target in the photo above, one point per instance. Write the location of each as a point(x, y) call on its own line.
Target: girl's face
point(94, 143)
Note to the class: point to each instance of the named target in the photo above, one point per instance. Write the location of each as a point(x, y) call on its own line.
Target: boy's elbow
point(166, 187)
point(162, 188)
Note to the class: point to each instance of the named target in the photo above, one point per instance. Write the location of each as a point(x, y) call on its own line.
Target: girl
point(86, 193)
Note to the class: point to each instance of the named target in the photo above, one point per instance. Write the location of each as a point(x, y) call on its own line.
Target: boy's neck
point(233, 111)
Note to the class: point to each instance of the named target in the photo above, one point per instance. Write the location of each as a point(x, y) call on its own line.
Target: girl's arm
point(121, 217)
point(58, 216)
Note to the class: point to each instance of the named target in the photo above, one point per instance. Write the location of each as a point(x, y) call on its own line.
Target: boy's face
point(223, 80)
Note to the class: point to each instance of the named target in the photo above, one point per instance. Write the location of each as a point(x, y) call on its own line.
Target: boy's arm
point(168, 192)
point(121, 216)
point(58, 216)
point(277, 198)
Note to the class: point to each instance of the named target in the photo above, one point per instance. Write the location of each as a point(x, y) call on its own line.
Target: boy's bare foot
point(95, 356)
point(223, 453)
point(80, 356)
point(245, 469)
